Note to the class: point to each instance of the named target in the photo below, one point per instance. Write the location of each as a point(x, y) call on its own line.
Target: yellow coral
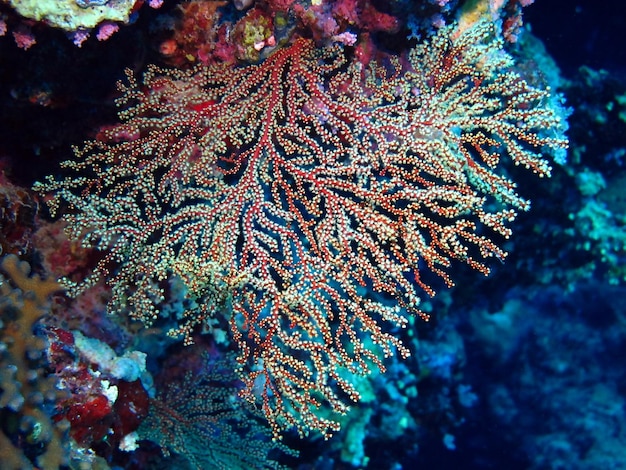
point(251, 34)
point(23, 301)
point(67, 15)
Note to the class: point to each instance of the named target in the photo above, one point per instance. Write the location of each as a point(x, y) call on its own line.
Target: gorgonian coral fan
point(305, 198)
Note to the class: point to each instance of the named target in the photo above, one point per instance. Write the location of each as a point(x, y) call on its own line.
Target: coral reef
point(258, 241)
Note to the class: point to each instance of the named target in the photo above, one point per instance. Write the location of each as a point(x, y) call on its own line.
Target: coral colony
point(237, 266)
point(281, 193)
